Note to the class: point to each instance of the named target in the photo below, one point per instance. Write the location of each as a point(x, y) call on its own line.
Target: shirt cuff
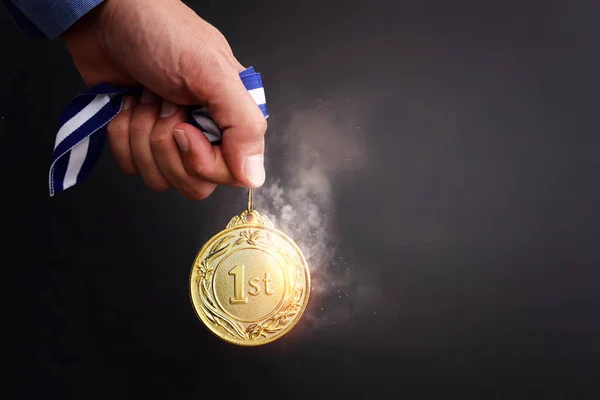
point(53, 17)
point(21, 21)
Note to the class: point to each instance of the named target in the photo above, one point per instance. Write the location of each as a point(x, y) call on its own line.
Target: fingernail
point(167, 109)
point(181, 139)
point(255, 170)
point(127, 103)
point(148, 97)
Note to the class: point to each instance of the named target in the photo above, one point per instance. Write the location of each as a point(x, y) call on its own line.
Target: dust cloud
point(319, 148)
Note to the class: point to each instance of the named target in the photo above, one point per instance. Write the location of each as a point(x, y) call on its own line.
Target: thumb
point(243, 125)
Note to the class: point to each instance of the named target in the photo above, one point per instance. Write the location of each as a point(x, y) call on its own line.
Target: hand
point(178, 58)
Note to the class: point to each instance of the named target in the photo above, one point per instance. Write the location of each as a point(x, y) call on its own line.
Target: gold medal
point(250, 283)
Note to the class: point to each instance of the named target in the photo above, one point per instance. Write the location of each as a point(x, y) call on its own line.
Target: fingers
point(168, 147)
point(118, 137)
point(183, 153)
point(243, 125)
point(140, 128)
point(200, 158)
point(150, 137)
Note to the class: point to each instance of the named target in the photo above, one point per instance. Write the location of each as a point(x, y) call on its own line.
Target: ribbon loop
point(82, 131)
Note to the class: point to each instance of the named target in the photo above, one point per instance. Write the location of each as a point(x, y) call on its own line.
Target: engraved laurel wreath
point(292, 303)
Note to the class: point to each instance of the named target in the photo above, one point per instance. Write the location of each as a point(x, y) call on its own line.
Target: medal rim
point(250, 343)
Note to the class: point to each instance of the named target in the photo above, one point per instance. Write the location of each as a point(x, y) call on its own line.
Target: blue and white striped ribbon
point(82, 131)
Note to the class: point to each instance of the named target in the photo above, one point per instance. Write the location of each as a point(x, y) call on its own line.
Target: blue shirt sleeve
point(49, 17)
point(21, 21)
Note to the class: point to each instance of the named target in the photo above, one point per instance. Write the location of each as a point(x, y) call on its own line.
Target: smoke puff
point(317, 145)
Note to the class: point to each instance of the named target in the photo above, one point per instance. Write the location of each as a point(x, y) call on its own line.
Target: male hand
point(178, 58)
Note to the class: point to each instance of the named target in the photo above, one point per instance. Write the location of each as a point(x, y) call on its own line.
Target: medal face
point(250, 282)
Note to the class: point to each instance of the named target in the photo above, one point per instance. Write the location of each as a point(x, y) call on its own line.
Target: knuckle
point(127, 168)
point(158, 184)
point(199, 191)
point(117, 129)
point(217, 36)
point(197, 168)
point(129, 171)
point(207, 71)
point(185, 194)
point(136, 130)
point(191, 75)
point(159, 139)
point(258, 128)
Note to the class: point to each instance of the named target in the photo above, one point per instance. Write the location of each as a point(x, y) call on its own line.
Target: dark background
point(465, 242)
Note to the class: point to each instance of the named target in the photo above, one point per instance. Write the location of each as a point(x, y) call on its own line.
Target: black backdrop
point(442, 160)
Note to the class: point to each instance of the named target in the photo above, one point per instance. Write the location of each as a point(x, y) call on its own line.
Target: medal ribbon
point(82, 131)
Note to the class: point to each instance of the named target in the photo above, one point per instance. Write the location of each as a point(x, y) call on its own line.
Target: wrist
point(84, 42)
